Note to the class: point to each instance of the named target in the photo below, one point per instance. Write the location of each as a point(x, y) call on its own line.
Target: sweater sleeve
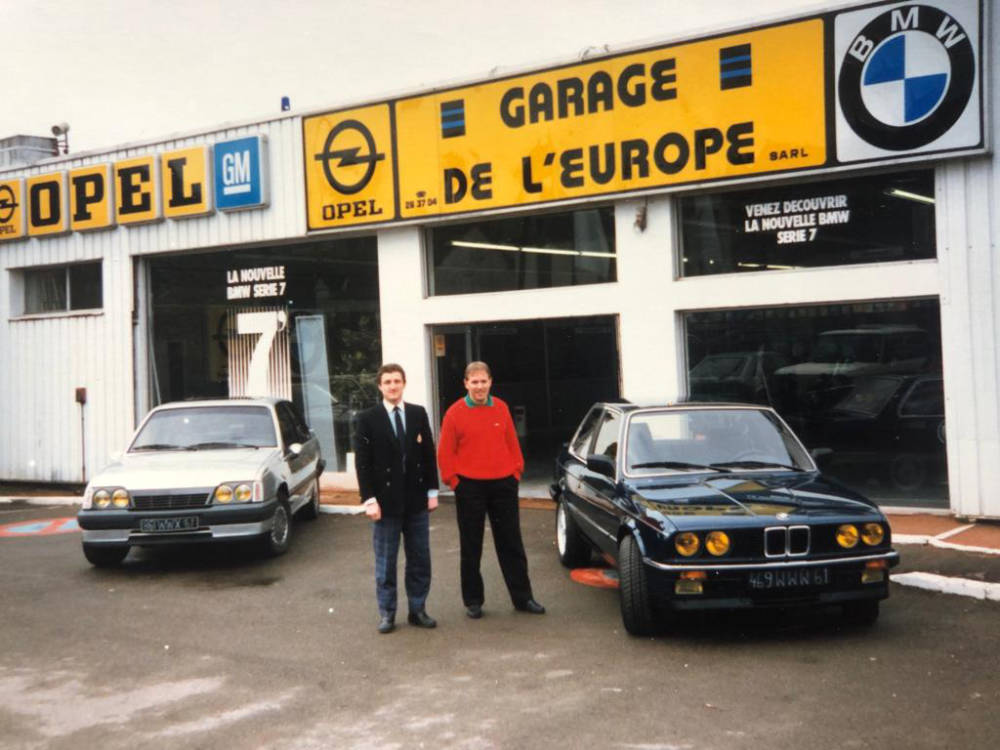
point(513, 446)
point(447, 450)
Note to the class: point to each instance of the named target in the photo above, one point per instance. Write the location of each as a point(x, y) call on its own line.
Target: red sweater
point(478, 442)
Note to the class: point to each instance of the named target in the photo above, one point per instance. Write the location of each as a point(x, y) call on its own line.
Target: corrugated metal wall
point(44, 359)
point(968, 200)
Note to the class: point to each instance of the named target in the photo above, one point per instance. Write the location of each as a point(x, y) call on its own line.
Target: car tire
point(279, 537)
point(573, 549)
point(864, 612)
point(637, 609)
point(310, 511)
point(105, 555)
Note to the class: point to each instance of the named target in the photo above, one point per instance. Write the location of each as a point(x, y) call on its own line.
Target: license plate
point(160, 525)
point(789, 579)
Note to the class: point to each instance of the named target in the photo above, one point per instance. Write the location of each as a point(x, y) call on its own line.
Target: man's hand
point(432, 503)
point(373, 511)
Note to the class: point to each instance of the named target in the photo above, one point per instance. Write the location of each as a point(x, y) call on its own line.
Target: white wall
point(43, 359)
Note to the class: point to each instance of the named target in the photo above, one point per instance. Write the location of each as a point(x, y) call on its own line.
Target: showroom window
point(62, 288)
point(524, 252)
point(860, 383)
point(315, 308)
point(874, 219)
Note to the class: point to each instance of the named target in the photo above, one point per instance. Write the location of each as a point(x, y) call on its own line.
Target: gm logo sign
point(241, 173)
point(908, 79)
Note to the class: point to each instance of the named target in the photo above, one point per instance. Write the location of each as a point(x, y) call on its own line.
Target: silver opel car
point(205, 471)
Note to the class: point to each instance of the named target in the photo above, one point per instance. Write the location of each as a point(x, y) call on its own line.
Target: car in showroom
point(205, 471)
point(715, 507)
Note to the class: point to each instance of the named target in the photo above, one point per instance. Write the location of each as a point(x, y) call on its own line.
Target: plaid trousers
point(415, 530)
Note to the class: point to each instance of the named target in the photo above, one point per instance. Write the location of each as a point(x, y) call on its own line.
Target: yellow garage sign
point(350, 175)
point(722, 108)
point(48, 212)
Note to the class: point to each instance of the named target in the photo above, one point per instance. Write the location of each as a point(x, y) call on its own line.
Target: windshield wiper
point(756, 465)
point(155, 447)
point(676, 465)
point(211, 445)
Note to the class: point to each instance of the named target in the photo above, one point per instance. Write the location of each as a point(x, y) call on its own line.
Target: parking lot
point(216, 648)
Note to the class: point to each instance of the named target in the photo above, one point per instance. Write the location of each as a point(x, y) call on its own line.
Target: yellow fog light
point(717, 543)
point(847, 535)
point(223, 494)
point(244, 493)
point(120, 498)
point(102, 499)
point(687, 543)
point(872, 534)
point(690, 582)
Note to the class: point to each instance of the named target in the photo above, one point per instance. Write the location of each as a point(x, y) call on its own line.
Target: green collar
point(472, 404)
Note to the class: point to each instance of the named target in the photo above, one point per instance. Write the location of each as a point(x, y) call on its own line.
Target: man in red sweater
point(480, 458)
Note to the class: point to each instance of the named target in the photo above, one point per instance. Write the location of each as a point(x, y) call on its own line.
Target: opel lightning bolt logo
point(334, 159)
point(906, 77)
point(7, 204)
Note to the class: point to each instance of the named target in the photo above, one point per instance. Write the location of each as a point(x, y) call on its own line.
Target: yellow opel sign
point(47, 205)
point(728, 107)
point(350, 175)
point(137, 199)
point(185, 178)
point(91, 204)
point(11, 209)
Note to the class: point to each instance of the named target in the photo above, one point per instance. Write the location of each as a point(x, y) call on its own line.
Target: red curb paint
point(49, 527)
point(601, 578)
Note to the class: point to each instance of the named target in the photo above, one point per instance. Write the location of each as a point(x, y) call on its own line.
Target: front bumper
point(730, 586)
point(215, 523)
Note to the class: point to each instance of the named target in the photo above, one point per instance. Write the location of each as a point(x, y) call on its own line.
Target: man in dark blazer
point(397, 477)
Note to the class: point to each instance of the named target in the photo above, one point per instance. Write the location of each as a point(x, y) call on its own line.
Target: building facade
point(801, 214)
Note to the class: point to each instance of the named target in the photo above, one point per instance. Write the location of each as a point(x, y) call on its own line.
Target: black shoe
point(421, 619)
point(387, 623)
point(531, 607)
point(474, 611)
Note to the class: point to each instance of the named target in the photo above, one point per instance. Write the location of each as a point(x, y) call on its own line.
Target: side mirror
point(295, 449)
point(601, 464)
point(115, 456)
point(819, 455)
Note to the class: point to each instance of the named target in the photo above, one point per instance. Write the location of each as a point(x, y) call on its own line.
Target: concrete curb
point(47, 500)
point(947, 585)
point(342, 510)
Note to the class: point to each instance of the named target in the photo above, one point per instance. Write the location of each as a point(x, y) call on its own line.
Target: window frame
point(19, 282)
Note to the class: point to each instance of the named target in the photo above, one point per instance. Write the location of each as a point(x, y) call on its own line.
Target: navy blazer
point(379, 464)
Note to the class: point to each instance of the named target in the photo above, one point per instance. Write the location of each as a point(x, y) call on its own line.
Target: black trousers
point(475, 499)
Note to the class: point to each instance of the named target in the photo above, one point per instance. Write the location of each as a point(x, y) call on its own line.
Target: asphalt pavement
point(214, 647)
point(938, 551)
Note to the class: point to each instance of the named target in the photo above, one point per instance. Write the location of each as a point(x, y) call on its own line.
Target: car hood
point(179, 469)
point(752, 500)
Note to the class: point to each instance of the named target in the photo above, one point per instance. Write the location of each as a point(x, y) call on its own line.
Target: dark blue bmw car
point(715, 506)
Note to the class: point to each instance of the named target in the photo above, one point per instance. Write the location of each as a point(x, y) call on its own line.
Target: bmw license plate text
point(789, 579)
point(159, 525)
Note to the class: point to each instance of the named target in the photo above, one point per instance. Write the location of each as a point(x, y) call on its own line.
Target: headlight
point(717, 543)
point(102, 499)
point(687, 543)
point(872, 534)
point(847, 535)
point(233, 492)
point(120, 498)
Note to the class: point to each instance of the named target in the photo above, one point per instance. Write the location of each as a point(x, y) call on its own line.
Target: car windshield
point(205, 428)
point(679, 441)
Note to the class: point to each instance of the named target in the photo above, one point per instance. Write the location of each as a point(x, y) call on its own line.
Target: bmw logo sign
point(906, 77)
